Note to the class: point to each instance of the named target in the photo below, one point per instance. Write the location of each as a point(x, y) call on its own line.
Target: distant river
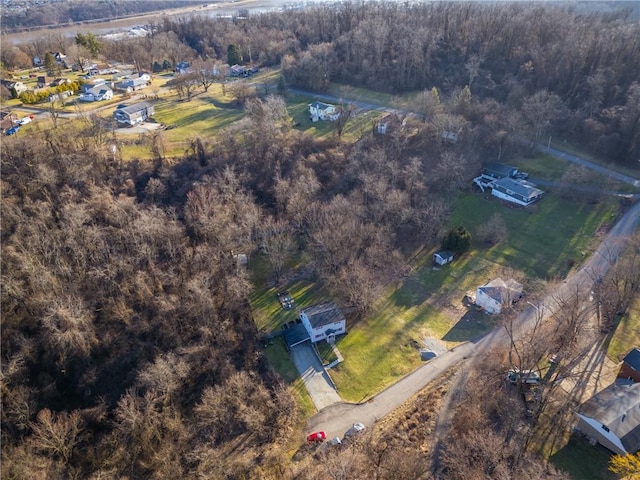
point(210, 9)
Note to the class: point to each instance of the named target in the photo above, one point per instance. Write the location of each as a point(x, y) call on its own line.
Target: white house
point(322, 111)
point(516, 191)
point(323, 321)
point(133, 114)
point(612, 418)
point(498, 293)
point(97, 94)
point(442, 257)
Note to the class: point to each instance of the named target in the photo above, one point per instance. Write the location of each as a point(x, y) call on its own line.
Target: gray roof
point(633, 359)
point(521, 187)
point(502, 291)
point(295, 335)
point(323, 314)
point(618, 408)
point(499, 169)
point(136, 107)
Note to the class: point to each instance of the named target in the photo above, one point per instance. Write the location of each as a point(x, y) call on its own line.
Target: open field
point(544, 241)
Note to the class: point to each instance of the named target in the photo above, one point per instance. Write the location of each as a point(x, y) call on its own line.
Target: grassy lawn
point(298, 108)
point(385, 346)
point(545, 240)
point(281, 362)
point(326, 352)
point(360, 94)
point(575, 150)
point(583, 461)
point(627, 333)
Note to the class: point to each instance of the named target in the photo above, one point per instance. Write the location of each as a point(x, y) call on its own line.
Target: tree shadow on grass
point(583, 461)
point(473, 324)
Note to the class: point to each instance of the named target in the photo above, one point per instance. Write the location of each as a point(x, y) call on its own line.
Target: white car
point(357, 428)
point(24, 121)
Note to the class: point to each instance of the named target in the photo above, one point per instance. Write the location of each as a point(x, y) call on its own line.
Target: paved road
point(590, 165)
point(336, 419)
point(318, 383)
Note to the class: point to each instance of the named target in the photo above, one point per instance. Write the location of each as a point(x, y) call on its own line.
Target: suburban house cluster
point(612, 416)
point(508, 183)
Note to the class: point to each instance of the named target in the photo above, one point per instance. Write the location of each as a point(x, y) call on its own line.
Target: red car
point(316, 437)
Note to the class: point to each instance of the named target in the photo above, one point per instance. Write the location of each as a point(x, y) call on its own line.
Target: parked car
point(285, 300)
point(12, 130)
point(317, 437)
point(357, 428)
point(25, 120)
point(528, 377)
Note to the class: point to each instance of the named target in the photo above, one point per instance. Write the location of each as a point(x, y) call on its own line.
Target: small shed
point(442, 257)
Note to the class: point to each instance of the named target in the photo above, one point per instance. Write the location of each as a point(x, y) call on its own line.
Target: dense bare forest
point(128, 347)
point(553, 71)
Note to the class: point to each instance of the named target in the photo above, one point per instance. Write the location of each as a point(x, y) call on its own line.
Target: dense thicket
point(514, 53)
point(128, 348)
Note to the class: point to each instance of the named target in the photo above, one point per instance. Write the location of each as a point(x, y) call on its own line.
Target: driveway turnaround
point(313, 375)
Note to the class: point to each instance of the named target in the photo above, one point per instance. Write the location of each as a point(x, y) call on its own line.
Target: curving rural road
point(338, 418)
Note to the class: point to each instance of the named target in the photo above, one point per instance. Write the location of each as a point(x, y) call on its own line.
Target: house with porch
point(323, 321)
point(323, 111)
point(612, 418)
point(498, 293)
point(516, 191)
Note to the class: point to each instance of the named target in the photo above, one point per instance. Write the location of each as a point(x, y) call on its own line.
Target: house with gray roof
point(612, 418)
point(500, 170)
point(323, 321)
point(133, 114)
point(498, 293)
point(516, 191)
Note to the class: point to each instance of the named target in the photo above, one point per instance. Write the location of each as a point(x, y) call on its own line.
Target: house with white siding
point(498, 293)
point(612, 418)
point(323, 321)
point(322, 111)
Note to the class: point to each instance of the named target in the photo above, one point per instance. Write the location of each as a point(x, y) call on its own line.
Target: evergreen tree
point(457, 240)
point(234, 57)
point(50, 62)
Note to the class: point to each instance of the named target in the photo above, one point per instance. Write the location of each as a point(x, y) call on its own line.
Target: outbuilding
point(442, 257)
